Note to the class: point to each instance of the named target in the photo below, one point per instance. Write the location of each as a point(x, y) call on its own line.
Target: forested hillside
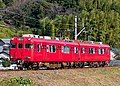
point(101, 19)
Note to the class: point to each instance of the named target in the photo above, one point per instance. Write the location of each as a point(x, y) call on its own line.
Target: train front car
point(94, 54)
point(21, 50)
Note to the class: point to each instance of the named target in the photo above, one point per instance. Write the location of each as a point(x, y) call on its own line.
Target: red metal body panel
point(43, 55)
point(57, 56)
point(96, 56)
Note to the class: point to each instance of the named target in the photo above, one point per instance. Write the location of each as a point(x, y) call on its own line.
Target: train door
point(83, 53)
point(75, 54)
point(91, 56)
point(102, 54)
point(43, 52)
point(51, 52)
point(28, 51)
point(20, 50)
point(38, 52)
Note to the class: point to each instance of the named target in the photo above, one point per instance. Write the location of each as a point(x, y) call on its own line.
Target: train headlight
point(11, 57)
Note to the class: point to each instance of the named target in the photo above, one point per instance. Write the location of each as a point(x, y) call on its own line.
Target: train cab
point(21, 48)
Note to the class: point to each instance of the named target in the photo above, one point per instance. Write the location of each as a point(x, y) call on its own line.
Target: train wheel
point(70, 65)
point(74, 65)
point(95, 64)
point(91, 64)
point(35, 66)
point(20, 64)
point(81, 64)
point(27, 65)
point(103, 64)
point(62, 66)
point(100, 64)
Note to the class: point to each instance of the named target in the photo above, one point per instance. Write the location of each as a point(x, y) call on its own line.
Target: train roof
point(94, 44)
point(69, 42)
point(52, 41)
point(73, 42)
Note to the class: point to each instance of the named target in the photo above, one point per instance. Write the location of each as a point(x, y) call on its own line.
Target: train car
point(94, 53)
point(30, 52)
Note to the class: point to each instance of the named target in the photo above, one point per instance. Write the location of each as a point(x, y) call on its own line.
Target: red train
point(33, 52)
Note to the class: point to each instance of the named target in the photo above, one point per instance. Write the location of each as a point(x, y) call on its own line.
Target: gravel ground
point(108, 76)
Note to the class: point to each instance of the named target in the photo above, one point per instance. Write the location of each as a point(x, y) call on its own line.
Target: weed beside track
point(106, 76)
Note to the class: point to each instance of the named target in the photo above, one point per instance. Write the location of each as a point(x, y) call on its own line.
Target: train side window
point(28, 45)
point(47, 47)
point(101, 51)
point(13, 45)
point(20, 45)
point(52, 48)
point(38, 48)
point(83, 50)
point(65, 49)
point(75, 50)
point(91, 50)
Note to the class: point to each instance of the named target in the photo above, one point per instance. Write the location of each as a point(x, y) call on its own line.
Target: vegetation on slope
point(108, 76)
point(101, 18)
point(18, 81)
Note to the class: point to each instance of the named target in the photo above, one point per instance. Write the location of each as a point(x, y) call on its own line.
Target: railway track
point(65, 68)
point(14, 67)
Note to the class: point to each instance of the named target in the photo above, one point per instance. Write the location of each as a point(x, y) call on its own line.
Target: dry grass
point(109, 76)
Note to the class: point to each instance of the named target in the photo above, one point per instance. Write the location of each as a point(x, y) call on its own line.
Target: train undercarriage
point(58, 65)
point(24, 65)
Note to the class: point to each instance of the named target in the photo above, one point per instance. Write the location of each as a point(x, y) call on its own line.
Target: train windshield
point(28, 45)
point(13, 45)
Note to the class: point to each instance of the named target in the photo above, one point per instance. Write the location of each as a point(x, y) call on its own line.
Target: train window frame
point(14, 45)
point(20, 45)
point(83, 50)
point(91, 50)
point(76, 50)
point(101, 51)
point(66, 49)
point(30, 47)
point(38, 47)
point(52, 48)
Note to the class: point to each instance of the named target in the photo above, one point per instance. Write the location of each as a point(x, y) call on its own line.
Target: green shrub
point(18, 81)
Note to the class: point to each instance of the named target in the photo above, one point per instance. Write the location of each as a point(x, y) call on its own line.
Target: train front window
point(13, 45)
point(28, 45)
point(20, 45)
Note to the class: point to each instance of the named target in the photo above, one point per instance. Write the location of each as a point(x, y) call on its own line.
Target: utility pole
point(83, 28)
point(75, 27)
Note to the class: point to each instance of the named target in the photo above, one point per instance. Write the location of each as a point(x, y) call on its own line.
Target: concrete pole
point(75, 27)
